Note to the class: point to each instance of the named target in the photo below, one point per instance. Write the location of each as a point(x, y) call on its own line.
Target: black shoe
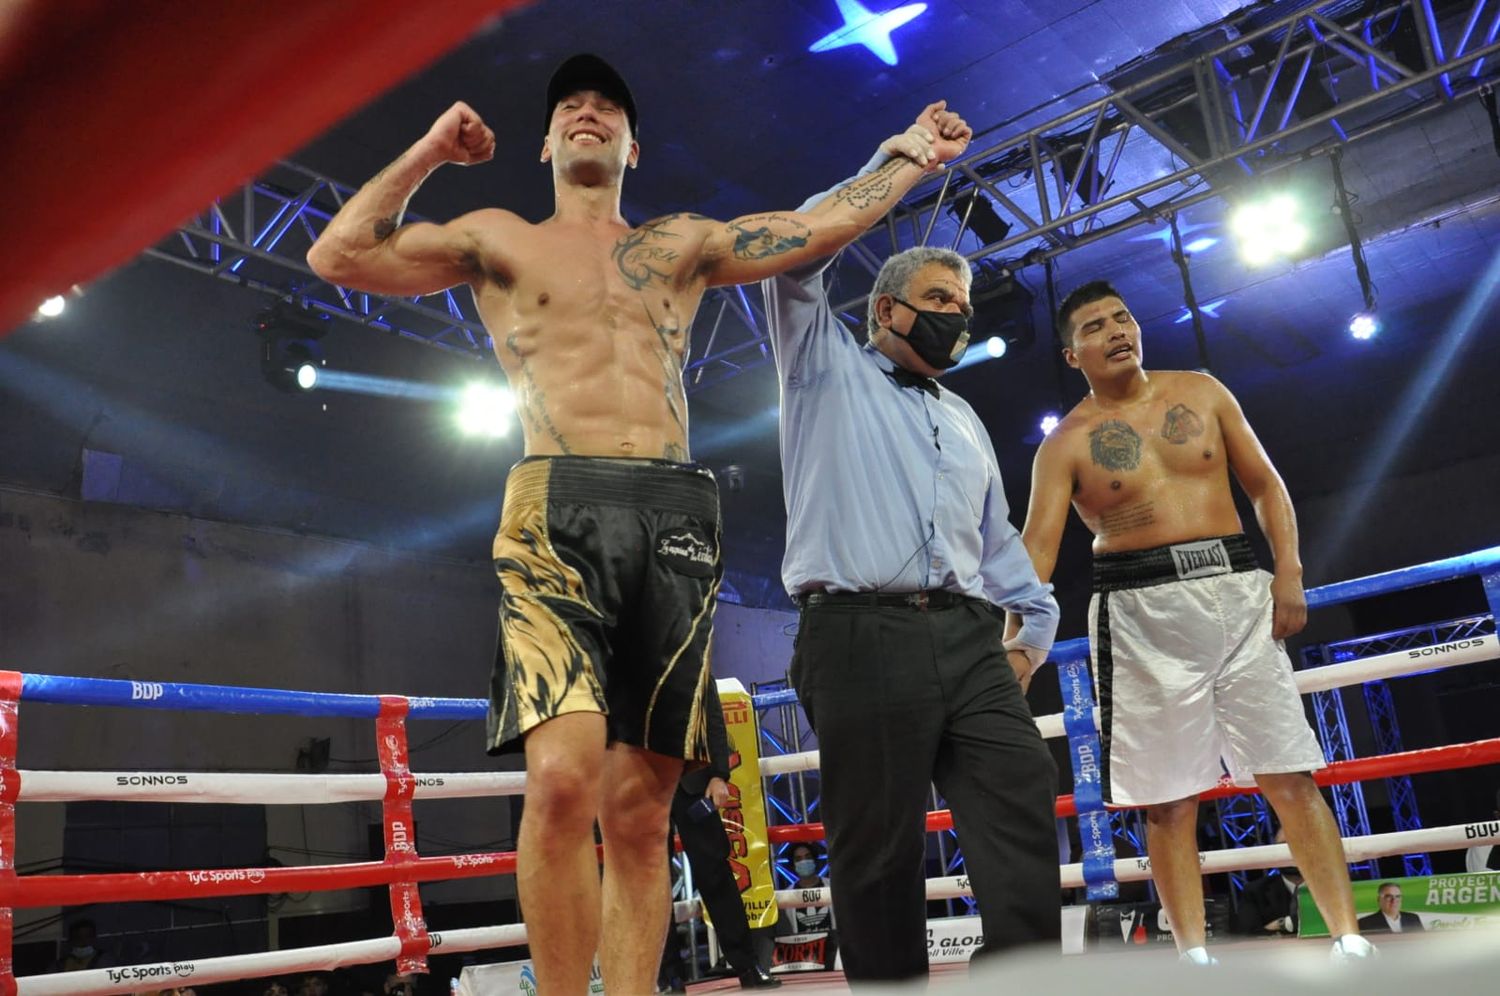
point(758, 978)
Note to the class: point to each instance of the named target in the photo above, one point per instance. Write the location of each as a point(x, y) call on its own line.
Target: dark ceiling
point(158, 364)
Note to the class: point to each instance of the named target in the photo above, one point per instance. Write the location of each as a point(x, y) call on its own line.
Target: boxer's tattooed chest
point(652, 253)
point(1114, 445)
point(1181, 425)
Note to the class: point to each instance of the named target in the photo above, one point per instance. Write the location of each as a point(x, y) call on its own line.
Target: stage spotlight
point(1049, 422)
point(995, 346)
point(1364, 325)
point(290, 354)
point(291, 364)
point(1269, 228)
point(485, 410)
point(52, 307)
point(1203, 244)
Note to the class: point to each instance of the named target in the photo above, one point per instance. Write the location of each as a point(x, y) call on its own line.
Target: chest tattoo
point(1181, 424)
point(1114, 445)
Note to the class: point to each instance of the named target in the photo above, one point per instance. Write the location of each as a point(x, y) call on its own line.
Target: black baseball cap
point(586, 71)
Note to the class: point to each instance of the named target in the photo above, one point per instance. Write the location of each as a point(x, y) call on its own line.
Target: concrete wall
point(117, 592)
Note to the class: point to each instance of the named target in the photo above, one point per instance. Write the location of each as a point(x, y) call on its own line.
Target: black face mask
point(938, 337)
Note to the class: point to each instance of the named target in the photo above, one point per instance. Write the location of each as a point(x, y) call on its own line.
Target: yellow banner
point(744, 815)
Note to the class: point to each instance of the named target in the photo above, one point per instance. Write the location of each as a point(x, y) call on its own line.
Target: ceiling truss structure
point(1240, 100)
point(258, 238)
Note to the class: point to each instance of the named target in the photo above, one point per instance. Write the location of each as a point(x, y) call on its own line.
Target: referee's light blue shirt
point(887, 488)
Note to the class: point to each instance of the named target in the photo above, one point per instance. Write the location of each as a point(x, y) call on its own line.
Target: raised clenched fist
point(951, 132)
point(460, 136)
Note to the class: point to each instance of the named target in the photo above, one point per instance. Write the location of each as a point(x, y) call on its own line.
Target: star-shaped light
point(863, 26)
point(1211, 309)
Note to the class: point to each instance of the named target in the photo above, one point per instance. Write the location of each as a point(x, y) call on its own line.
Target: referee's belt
point(921, 601)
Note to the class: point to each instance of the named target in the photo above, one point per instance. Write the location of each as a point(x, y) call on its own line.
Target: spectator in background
point(1268, 906)
point(1484, 857)
point(313, 984)
point(82, 949)
point(275, 987)
point(400, 984)
point(807, 860)
point(700, 794)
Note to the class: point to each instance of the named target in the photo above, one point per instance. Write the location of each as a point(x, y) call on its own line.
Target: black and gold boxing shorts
point(609, 569)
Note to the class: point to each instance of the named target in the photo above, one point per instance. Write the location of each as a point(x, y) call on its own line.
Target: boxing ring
point(397, 788)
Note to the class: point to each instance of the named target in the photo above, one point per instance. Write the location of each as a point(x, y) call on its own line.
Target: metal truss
point(1404, 813)
point(1244, 98)
point(951, 858)
point(789, 797)
point(1401, 639)
point(1348, 799)
point(1244, 821)
point(1333, 726)
point(258, 237)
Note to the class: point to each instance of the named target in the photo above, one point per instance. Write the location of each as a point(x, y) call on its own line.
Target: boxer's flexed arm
point(365, 246)
point(762, 245)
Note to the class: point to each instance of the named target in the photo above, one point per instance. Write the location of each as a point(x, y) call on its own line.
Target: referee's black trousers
point(900, 699)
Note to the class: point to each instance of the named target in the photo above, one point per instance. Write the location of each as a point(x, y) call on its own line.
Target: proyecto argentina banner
point(1435, 902)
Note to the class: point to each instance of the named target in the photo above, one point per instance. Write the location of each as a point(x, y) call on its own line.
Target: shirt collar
point(899, 376)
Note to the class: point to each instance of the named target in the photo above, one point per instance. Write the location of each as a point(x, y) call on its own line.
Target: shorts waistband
point(1178, 562)
point(659, 485)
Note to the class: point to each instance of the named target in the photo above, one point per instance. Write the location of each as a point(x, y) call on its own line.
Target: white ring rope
point(1213, 862)
point(1453, 653)
point(255, 789)
point(322, 957)
point(309, 789)
point(331, 956)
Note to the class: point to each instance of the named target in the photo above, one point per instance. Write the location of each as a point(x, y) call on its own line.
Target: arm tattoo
point(766, 235)
point(646, 254)
point(1181, 424)
point(1127, 517)
point(1114, 445)
point(384, 227)
point(869, 189)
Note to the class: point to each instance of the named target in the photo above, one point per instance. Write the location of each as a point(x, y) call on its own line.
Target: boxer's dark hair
point(1078, 297)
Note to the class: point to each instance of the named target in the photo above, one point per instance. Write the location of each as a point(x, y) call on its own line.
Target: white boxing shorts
point(1187, 673)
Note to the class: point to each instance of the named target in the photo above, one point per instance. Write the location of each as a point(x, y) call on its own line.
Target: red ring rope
point(1412, 762)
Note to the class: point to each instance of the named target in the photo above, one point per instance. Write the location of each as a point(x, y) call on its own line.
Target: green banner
point(1432, 902)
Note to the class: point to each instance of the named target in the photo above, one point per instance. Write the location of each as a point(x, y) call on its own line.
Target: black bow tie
point(905, 378)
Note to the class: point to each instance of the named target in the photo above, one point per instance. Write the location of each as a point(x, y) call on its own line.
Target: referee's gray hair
point(896, 273)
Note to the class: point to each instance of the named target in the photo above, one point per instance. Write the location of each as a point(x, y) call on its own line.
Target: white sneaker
point(1197, 956)
point(1352, 947)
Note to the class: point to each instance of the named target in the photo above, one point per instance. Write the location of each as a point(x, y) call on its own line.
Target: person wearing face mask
point(82, 951)
point(902, 559)
point(805, 919)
